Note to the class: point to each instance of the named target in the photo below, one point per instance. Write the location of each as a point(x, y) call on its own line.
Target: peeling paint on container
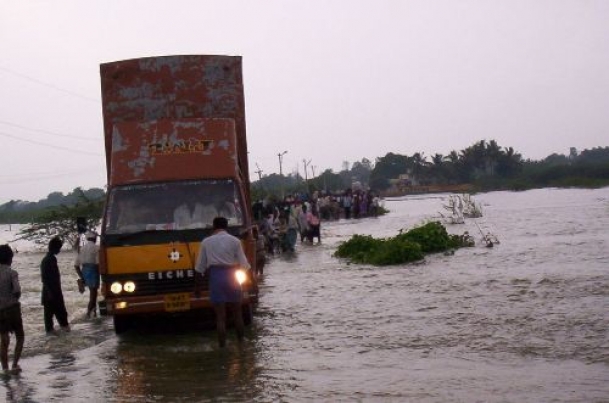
point(174, 150)
point(177, 88)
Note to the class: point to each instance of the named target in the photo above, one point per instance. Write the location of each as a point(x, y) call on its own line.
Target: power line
point(56, 88)
point(18, 179)
point(45, 131)
point(45, 173)
point(50, 145)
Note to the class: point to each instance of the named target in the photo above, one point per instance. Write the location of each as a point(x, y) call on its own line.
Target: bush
point(432, 237)
point(403, 248)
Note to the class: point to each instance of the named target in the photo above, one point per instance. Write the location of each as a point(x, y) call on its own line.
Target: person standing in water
point(87, 268)
point(220, 256)
point(10, 310)
point(52, 295)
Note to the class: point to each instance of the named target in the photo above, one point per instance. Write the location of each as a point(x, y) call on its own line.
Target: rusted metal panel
point(161, 150)
point(173, 88)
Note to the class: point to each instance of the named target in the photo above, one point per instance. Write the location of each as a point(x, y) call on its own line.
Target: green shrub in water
point(432, 237)
point(396, 251)
point(403, 248)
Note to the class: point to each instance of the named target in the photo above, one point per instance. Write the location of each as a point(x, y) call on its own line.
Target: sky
point(327, 81)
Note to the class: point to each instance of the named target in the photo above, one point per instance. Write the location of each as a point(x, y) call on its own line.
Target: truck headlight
point(129, 286)
point(116, 287)
point(240, 276)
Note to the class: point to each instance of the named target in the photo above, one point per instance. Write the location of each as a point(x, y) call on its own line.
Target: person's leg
point(91, 273)
point(48, 317)
point(4, 342)
point(238, 319)
point(20, 335)
point(293, 236)
point(220, 309)
point(310, 235)
point(62, 315)
point(92, 302)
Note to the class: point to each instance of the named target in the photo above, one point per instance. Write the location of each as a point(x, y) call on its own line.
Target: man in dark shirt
point(52, 296)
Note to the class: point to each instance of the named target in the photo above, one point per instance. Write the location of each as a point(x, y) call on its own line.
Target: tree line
point(485, 166)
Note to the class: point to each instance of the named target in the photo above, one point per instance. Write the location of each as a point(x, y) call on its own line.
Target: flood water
point(525, 321)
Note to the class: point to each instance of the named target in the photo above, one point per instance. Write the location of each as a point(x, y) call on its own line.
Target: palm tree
point(510, 163)
point(493, 154)
point(419, 163)
point(437, 168)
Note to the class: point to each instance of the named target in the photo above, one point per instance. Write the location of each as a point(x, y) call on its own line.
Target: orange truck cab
point(176, 157)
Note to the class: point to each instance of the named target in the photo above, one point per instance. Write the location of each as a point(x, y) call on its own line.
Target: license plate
point(177, 302)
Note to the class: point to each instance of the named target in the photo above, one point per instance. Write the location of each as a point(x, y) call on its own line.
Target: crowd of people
point(280, 226)
point(350, 204)
point(281, 223)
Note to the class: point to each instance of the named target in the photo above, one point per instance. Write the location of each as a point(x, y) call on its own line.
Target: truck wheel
point(121, 324)
point(248, 314)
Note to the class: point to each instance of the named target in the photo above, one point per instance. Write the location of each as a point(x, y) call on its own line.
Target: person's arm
point(77, 266)
point(97, 254)
point(200, 270)
point(201, 264)
point(16, 285)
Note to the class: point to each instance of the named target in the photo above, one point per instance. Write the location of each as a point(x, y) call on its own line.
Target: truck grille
point(158, 283)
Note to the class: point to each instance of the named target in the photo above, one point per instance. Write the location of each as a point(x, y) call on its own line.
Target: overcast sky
point(327, 81)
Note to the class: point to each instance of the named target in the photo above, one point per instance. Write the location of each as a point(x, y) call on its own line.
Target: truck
point(176, 157)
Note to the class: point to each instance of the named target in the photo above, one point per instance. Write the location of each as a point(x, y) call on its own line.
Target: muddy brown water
point(525, 321)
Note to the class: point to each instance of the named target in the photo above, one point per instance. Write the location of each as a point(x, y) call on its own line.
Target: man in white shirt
point(220, 256)
point(87, 267)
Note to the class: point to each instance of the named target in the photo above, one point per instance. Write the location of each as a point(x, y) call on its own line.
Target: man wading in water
point(10, 309)
point(220, 256)
point(87, 268)
point(52, 295)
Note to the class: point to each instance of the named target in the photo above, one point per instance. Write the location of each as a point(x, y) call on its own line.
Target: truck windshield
point(172, 206)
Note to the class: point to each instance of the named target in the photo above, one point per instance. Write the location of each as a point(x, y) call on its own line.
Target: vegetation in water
point(405, 247)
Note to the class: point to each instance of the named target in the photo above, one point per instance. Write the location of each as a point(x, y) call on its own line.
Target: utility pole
point(259, 172)
point(306, 164)
point(280, 156)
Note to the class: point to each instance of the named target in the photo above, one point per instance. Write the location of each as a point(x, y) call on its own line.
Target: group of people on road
point(52, 299)
point(356, 203)
point(302, 214)
point(280, 225)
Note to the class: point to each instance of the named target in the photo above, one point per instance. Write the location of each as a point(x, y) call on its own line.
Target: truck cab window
point(173, 206)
